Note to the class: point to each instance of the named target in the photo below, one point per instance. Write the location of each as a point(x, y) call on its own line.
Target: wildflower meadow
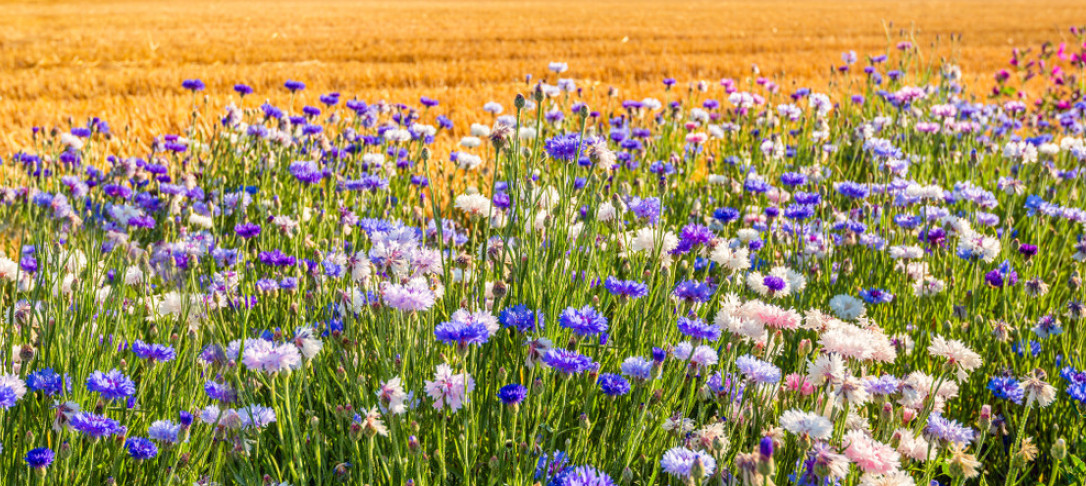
point(876, 282)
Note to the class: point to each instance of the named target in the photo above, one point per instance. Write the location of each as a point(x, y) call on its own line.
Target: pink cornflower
point(448, 389)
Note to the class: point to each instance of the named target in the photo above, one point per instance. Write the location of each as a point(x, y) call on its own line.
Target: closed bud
point(1059, 449)
point(519, 101)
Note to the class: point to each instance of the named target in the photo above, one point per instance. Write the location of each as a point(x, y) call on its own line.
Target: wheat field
point(124, 61)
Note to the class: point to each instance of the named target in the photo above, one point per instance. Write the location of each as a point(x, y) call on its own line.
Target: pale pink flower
point(448, 389)
point(870, 455)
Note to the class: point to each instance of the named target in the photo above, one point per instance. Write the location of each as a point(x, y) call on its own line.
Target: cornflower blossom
point(414, 296)
point(613, 385)
point(568, 362)
point(1037, 390)
point(512, 394)
point(473, 204)
point(733, 259)
point(956, 354)
point(39, 458)
point(699, 329)
point(637, 368)
point(807, 424)
point(522, 318)
point(371, 423)
point(95, 426)
point(12, 389)
point(678, 462)
point(46, 381)
point(462, 331)
point(948, 430)
point(153, 352)
point(585, 321)
point(872, 456)
point(630, 289)
point(140, 449)
point(448, 389)
point(164, 431)
point(270, 358)
point(704, 356)
point(112, 385)
point(757, 370)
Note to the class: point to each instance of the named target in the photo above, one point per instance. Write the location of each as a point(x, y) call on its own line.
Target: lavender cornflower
point(876, 296)
point(164, 431)
point(112, 385)
point(757, 370)
point(193, 85)
point(613, 385)
point(582, 476)
point(12, 389)
point(306, 171)
point(948, 430)
point(647, 208)
point(679, 462)
point(585, 321)
point(637, 368)
point(294, 86)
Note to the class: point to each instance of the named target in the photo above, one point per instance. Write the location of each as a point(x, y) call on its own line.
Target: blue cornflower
point(462, 333)
point(883, 385)
point(112, 385)
point(220, 391)
point(876, 296)
point(582, 476)
point(585, 321)
point(193, 85)
point(853, 190)
point(39, 458)
point(625, 288)
point(512, 394)
point(647, 208)
point(247, 230)
point(726, 215)
point(153, 352)
point(522, 318)
point(694, 291)
point(565, 147)
point(141, 449)
point(549, 465)
point(699, 329)
point(793, 179)
point(294, 86)
point(568, 362)
point(612, 384)
point(46, 380)
point(1007, 388)
point(757, 370)
point(164, 431)
point(243, 89)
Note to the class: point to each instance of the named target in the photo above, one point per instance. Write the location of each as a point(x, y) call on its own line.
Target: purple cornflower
point(275, 258)
point(585, 321)
point(140, 449)
point(882, 386)
point(699, 329)
point(306, 171)
point(164, 431)
point(693, 235)
point(95, 426)
point(512, 394)
point(112, 385)
point(948, 430)
point(153, 352)
point(678, 462)
point(774, 283)
point(613, 385)
point(630, 289)
point(220, 392)
point(726, 215)
point(193, 85)
point(757, 370)
point(294, 86)
point(647, 208)
point(568, 362)
point(1027, 250)
point(522, 318)
point(582, 476)
point(247, 230)
point(793, 179)
point(243, 89)
point(853, 190)
point(565, 147)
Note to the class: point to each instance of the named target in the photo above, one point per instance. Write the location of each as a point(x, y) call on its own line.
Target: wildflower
point(95, 426)
point(12, 389)
point(371, 423)
point(962, 464)
point(757, 370)
point(39, 458)
point(679, 462)
point(948, 430)
point(522, 318)
point(392, 396)
point(164, 431)
point(699, 329)
point(568, 362)
point(140, 449)
point(585, 321)
point(806, 424)
point(448, 389)
point(582, 476)
point(631, 289)
point(112, 385)
point(613, 385)
point(46, 380)
point(956, 354)
point(512, 394)
point(153, 352)
point(1037, 390)
point(270, 358)
point(869, 454)
point(637, 368)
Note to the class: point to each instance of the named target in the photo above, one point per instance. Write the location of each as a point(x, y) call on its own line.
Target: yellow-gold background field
point(125, 60)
